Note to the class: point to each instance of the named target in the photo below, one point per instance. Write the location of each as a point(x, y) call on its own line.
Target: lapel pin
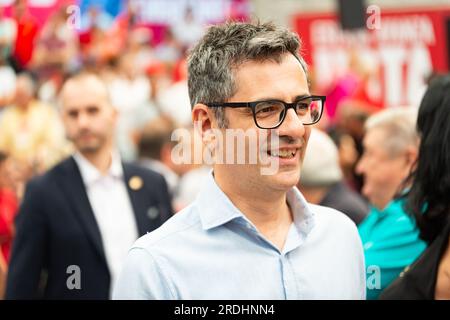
point(153, 213)
point(135, 183)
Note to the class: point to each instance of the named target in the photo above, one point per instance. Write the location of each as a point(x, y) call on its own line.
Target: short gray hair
point(223, 48)
point(399, 124)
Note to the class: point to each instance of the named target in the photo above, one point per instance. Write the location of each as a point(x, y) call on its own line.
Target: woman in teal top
point(389, 235)
point(391, 242)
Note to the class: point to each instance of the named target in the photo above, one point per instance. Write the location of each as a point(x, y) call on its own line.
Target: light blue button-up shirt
point(210, 250)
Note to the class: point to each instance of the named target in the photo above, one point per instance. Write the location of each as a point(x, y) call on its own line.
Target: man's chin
point(88, 149)
point(285, 180)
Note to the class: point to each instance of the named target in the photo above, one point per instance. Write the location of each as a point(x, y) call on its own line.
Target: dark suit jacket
point(56, 228)
point(342, 198)
point(418, 281)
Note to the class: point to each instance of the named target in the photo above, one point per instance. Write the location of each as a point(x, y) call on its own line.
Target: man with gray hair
point(249, 235)
point(390, 238)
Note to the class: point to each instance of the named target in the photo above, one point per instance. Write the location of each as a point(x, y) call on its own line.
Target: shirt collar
point(91, 174)
point(301, 211)
point(216, 208)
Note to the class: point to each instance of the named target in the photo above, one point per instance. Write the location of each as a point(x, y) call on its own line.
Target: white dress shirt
point(211, 250)
point(112, 209)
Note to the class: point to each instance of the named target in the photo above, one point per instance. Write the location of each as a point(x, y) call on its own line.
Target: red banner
point(398, 51)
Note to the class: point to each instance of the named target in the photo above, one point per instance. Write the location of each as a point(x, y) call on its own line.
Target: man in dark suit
point(78, 220)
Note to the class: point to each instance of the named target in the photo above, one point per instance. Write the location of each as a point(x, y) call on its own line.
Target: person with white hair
point(389, 235)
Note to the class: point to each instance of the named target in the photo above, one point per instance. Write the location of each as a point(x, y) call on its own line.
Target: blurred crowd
point(146, 82)
point(358, 156)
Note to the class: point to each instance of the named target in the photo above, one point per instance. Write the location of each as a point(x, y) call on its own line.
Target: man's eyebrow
point(71, 110)
point(302, 96)
point(296, 98)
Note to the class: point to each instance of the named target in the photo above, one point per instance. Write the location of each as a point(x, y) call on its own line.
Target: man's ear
point(114, 112)
point(411, 155)
point(205, 126)
point(202, 118)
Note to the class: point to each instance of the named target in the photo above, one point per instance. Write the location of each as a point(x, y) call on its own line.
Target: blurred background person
point(129, 90)
point(87, 210)
point(389, 235)
point(358, 77)
point(188, 31)
point(31, 131)
point(348, 133)
point(174, 99)
point(169, 50)
point(429, 202)
point(56, 46)
point(155, 151)
point(159, 79)
point(7, 84)
point(322, 183)
point(351, 86)
point(26, 33)
point(96, 17)
point(9, 204)
point(8, 35)
point(140, 47)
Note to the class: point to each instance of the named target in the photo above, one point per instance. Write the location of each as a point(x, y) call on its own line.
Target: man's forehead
point(270, 78)
point(84, 102)
point(373, 138)
point(92, 84)
point(280, 60)
point(84, 93)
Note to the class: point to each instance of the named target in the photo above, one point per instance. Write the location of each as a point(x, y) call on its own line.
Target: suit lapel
point(134, 184)
point(75, 191)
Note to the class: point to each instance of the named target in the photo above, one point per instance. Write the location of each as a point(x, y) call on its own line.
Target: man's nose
point(359, 169)
point(82, 120)
point(292, 125)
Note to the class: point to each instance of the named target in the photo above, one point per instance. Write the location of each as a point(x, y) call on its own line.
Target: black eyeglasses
point(270, 114)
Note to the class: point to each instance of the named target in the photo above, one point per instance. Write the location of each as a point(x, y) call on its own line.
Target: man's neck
point(268, 211)
point(101, 159)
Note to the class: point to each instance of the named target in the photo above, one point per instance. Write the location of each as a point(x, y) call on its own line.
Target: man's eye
point(92, 110)
point(73, 114)
point(267, 109)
